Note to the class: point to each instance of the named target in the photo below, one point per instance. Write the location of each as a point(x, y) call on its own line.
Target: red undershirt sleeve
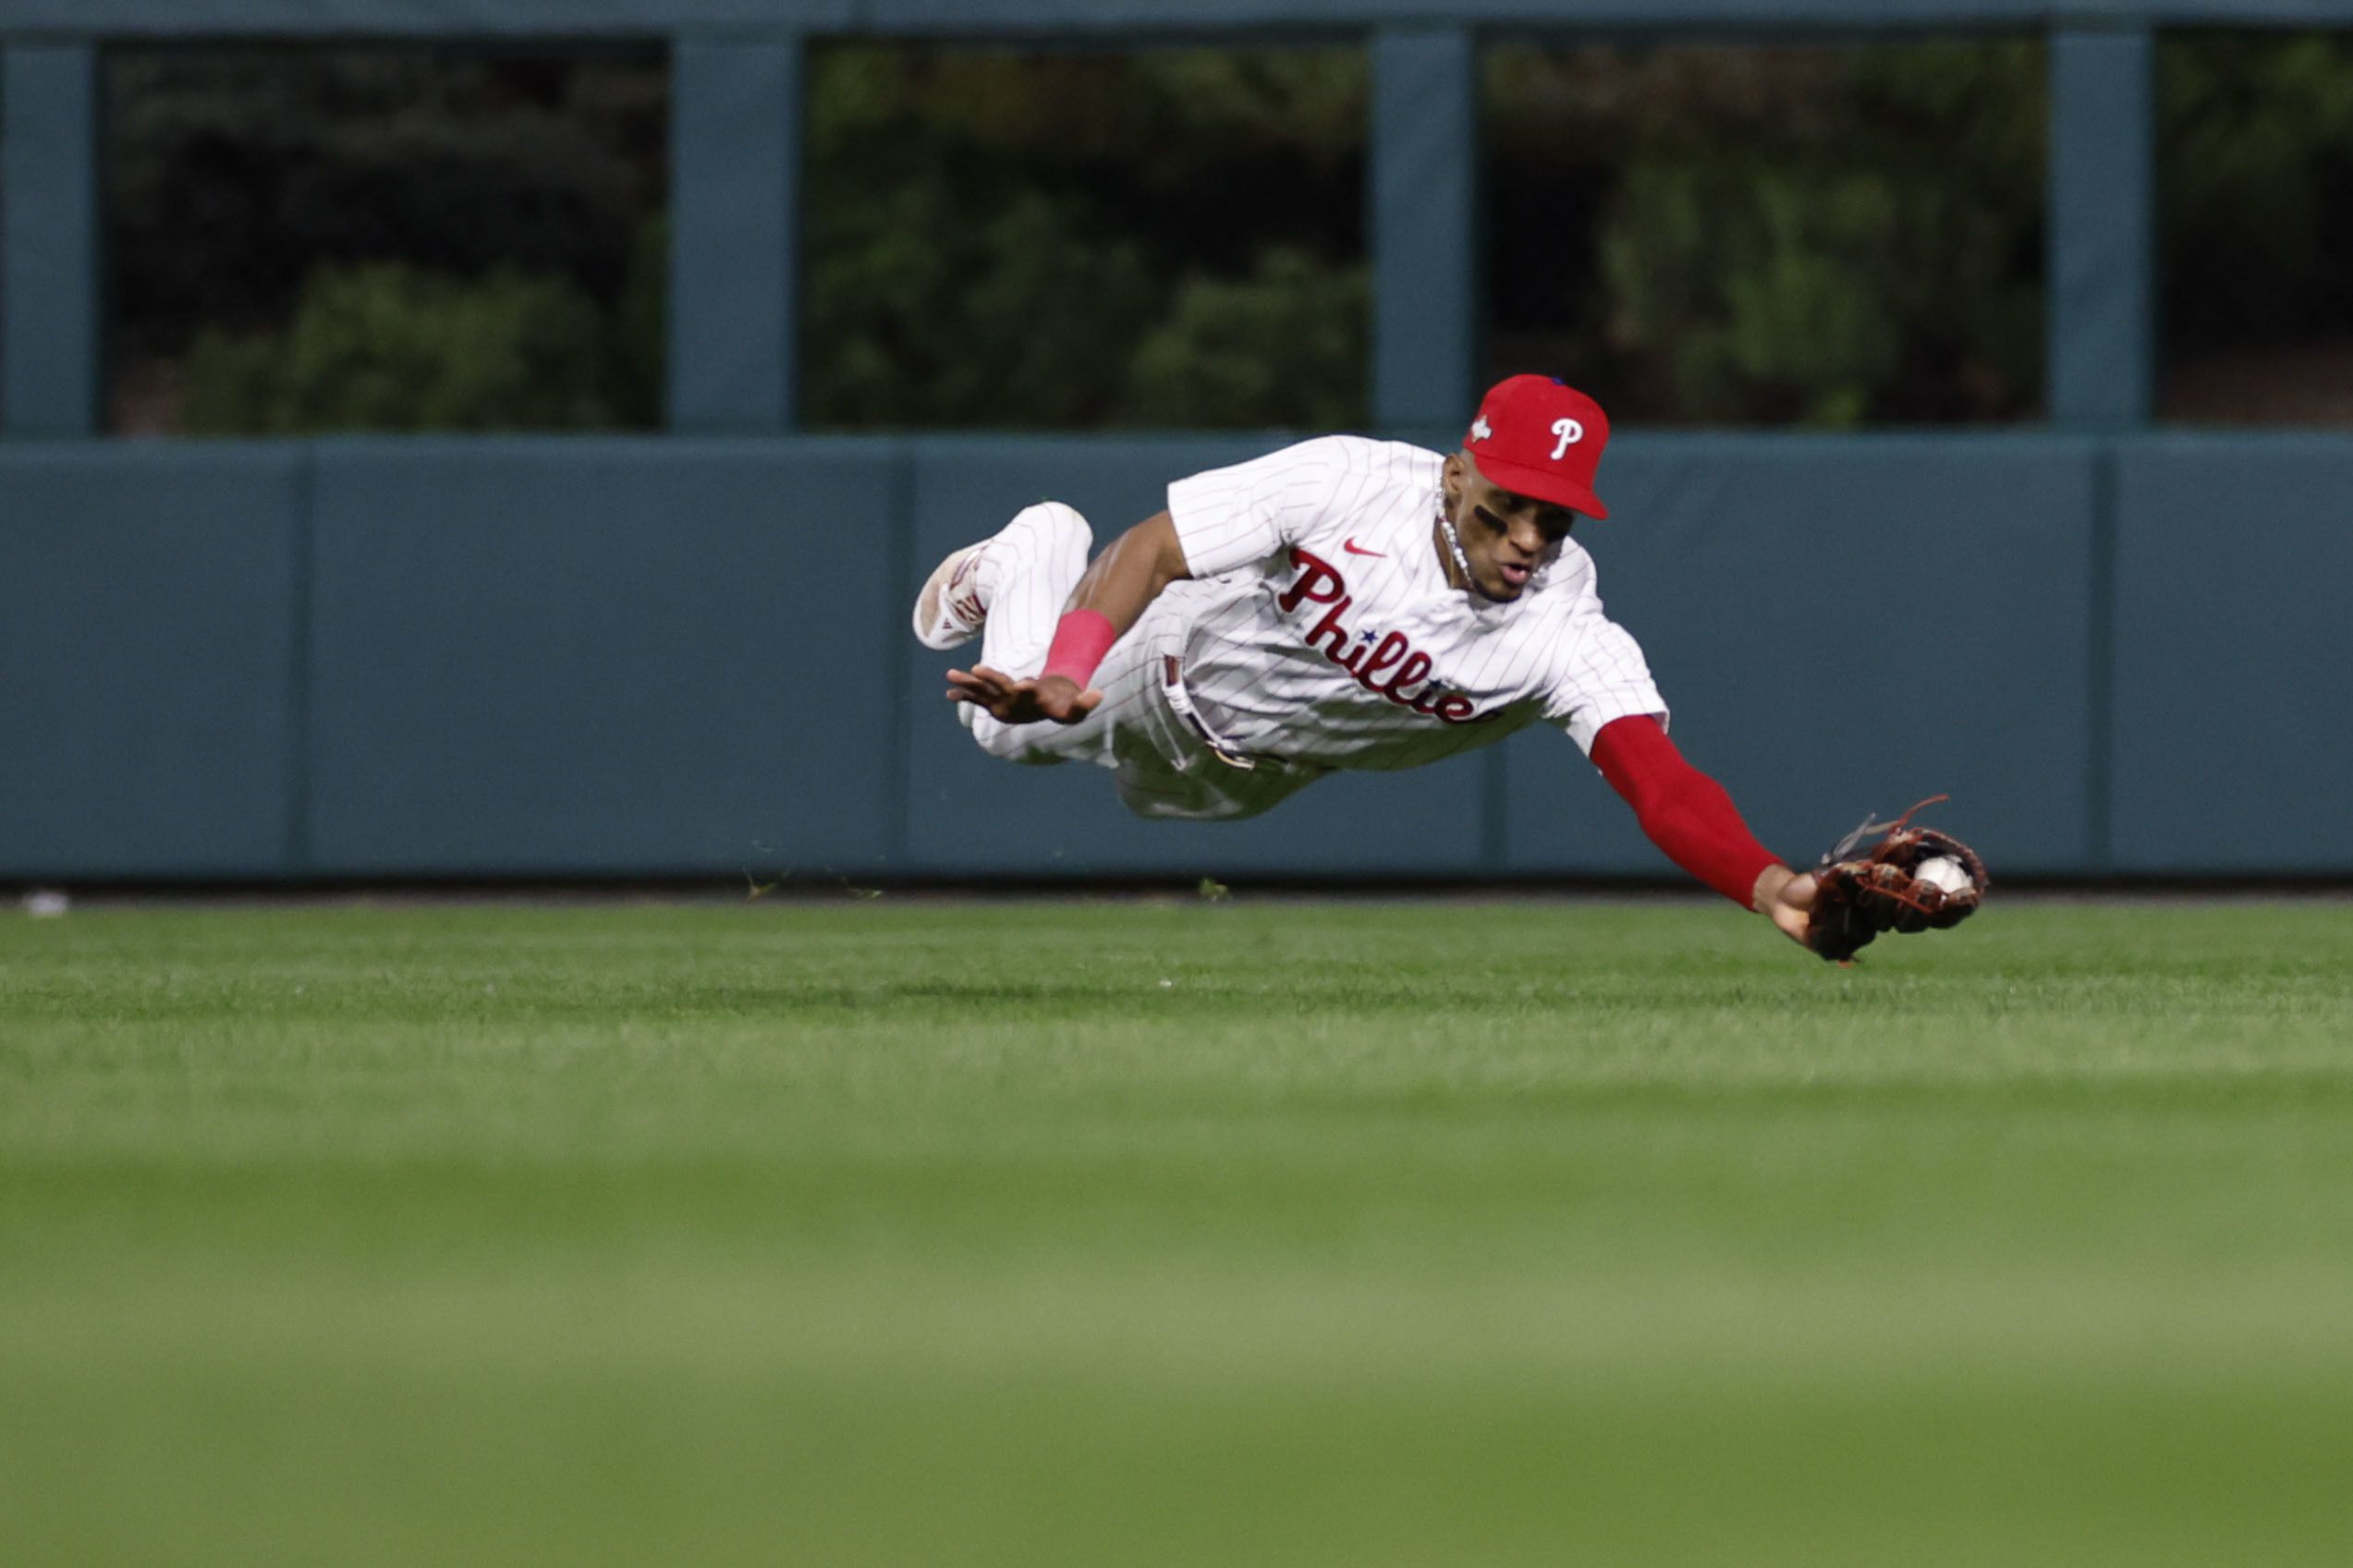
point(1685, 813)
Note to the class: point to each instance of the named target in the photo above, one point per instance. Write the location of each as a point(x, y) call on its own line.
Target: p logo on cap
point(1540, 437)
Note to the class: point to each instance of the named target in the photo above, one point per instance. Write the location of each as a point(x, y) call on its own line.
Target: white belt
point(1180, 702)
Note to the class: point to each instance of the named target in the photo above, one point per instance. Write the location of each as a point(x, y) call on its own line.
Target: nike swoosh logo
point(1353, 548)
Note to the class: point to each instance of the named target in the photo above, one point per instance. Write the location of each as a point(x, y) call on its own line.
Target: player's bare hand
point(1786, 898)
point(1055, 698)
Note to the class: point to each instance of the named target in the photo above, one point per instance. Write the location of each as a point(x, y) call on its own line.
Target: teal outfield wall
point(2120, 651)
point(665, 656)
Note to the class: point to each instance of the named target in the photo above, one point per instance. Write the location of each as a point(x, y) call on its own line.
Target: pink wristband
point(1081, 640)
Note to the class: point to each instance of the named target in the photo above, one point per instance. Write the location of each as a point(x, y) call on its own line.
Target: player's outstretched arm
point(1912, 880)
point(1118, 587)
point(1693, 822)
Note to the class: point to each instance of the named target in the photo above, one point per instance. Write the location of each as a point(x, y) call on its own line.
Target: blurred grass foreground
point(1471, 1233)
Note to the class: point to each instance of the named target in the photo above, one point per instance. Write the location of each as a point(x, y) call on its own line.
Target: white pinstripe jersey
point(1322, 628)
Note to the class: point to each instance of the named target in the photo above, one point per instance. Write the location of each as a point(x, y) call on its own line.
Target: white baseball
point(1944, 872)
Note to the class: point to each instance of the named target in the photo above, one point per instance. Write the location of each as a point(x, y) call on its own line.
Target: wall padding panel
point(147, 610)
point(2233, 719)
point(1843, 627)
point(580, 658)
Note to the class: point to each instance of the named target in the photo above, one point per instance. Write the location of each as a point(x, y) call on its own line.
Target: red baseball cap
point(1541, 437)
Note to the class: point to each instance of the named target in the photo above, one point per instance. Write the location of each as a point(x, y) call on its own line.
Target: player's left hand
point(1055, 698)
point(1786, 898)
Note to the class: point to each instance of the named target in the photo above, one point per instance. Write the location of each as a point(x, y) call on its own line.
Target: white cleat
point(949, 613)
point(1048, 538)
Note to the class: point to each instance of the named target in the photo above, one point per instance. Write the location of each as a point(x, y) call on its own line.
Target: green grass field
point(1120, 1233)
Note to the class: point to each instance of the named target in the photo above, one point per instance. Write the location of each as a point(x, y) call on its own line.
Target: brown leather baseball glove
point(1862, 892)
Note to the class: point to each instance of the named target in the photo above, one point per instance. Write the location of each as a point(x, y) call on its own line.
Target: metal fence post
point(1425, 225)
point(52, 277)
point(734, 161)
point(2103, 293)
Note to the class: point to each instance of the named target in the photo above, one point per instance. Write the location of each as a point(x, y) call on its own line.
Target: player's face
point(1505, 536)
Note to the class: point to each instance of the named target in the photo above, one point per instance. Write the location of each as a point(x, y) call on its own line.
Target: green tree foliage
point(925, 312)
point(233, 174)
point(1079, 241)
point(1822, 237)
point(384, 346)
point(2257, 133)
point(266, 205)
point(1826, 235)
point(1284, 346)
point(992, 239)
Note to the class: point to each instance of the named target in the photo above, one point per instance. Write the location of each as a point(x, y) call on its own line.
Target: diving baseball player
point(1355, 603)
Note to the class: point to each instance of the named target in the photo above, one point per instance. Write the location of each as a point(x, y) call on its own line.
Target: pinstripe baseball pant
point(1162, 767)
